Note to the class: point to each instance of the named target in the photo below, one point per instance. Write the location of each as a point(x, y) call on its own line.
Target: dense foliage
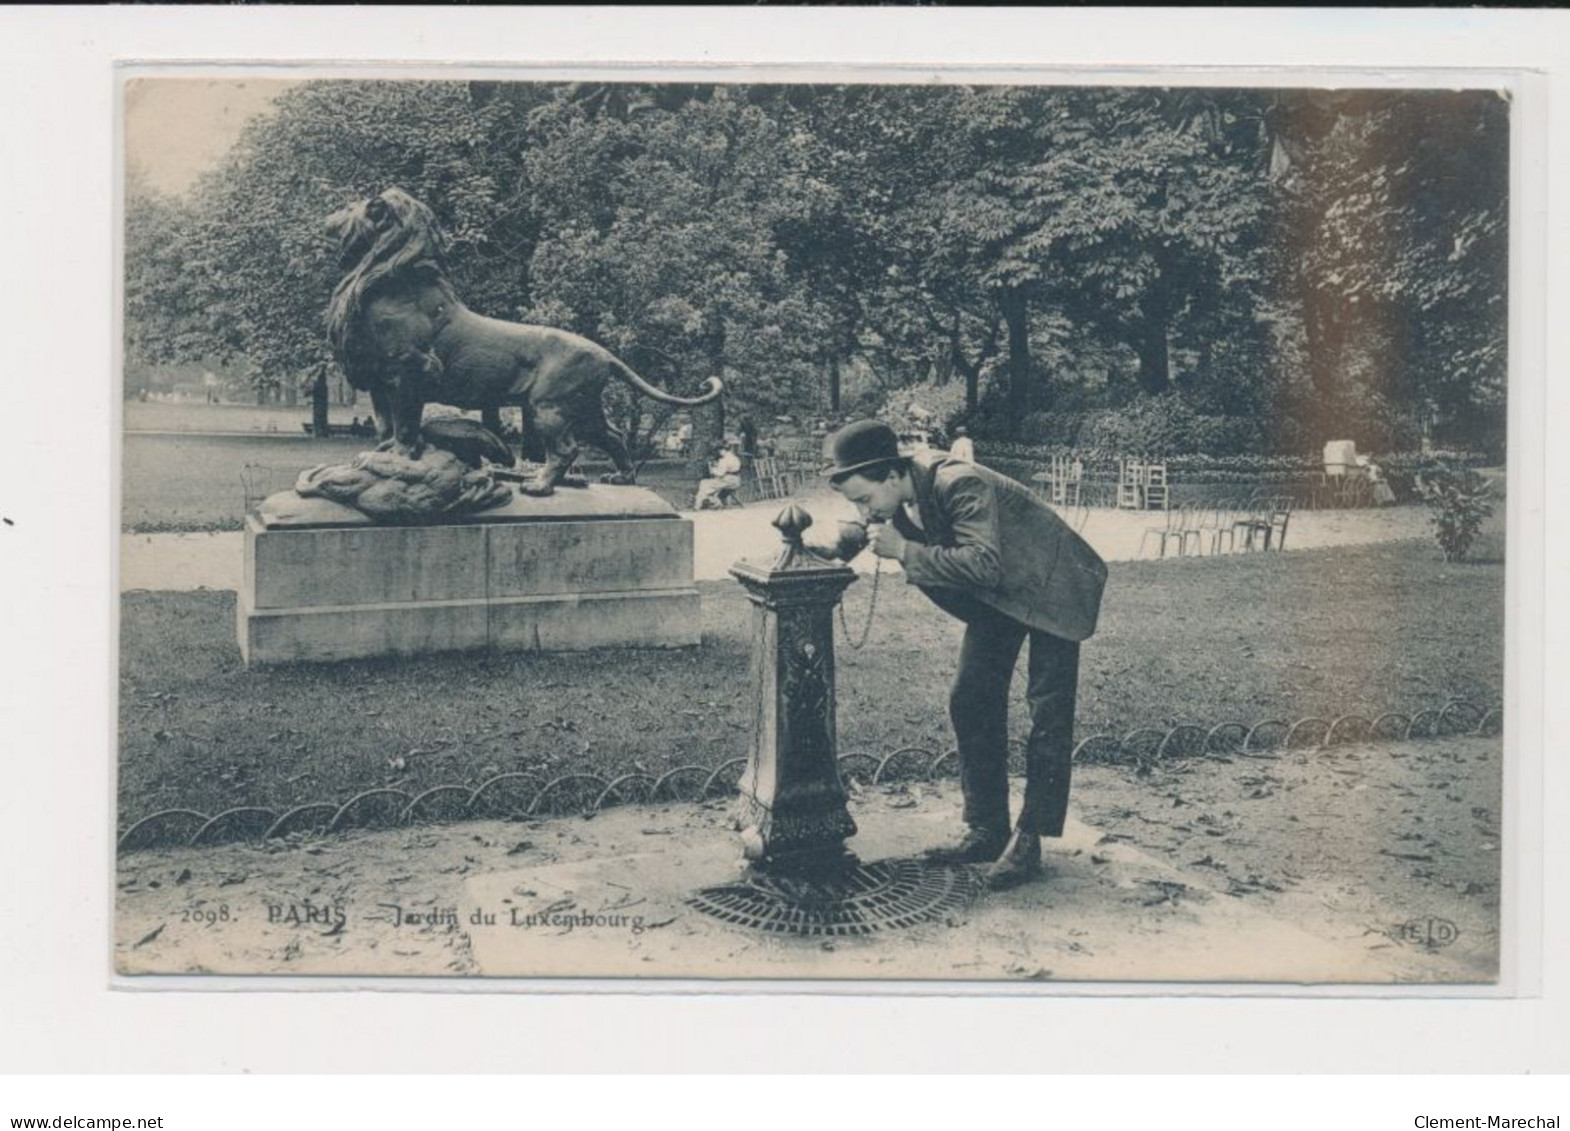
point(1218, 271)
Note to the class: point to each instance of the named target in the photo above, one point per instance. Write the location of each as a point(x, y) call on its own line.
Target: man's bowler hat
point(861, 445)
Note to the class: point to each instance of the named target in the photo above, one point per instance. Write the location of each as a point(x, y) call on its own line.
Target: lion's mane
point(404, 238)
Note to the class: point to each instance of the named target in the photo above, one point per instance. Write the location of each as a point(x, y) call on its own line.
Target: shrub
point(944, 401)
point(1167, 426)
point(1459, 499)
point(1052, 429)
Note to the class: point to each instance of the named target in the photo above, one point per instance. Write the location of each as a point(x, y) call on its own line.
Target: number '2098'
point(208, 915)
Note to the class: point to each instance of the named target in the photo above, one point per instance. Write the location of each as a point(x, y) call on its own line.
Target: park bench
point(339, 430)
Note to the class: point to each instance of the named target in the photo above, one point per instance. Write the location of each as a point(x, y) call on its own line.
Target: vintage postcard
point(995, 530)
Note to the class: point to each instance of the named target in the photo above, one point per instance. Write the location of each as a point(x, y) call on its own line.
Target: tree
point(1309, 257)
point(255, 250)
point(659, 241)
point(164, 303)
point(1401, 275)
point(1116, 208)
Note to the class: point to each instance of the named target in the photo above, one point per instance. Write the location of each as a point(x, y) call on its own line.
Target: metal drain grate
point(881, 896)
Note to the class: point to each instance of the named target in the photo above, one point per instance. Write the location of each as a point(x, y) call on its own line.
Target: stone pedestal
point(599, 567)
point(793, 816)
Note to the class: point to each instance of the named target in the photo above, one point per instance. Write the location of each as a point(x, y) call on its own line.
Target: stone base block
point(602, 568)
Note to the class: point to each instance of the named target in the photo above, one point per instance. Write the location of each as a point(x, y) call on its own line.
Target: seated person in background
point(1383, 495)
point(724, 480)
point(963, 447)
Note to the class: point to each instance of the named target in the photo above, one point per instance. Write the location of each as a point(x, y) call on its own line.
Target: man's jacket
point(988, 537)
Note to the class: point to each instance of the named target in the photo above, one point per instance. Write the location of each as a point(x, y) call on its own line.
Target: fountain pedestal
point(792, 814)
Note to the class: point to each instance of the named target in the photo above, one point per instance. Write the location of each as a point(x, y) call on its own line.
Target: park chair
point(1191, 525)
point(1322, 490)
point(1131, 474)
point(1179, 526)
point(1155, 495)
point(798, 464)
point(1064, 479)
point(1267, 524)
point(1206, 519)
point(1076, 515)
point(1223, 524)
point(768, 479)
point(1280, 516)
point(259, 480)
point(1253, 520)
point(722, 498)
point(1354, 491)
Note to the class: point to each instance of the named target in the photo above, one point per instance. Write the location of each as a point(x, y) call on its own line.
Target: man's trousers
point(978, 709)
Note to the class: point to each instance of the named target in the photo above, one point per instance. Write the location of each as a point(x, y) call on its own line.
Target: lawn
point(1360, 629)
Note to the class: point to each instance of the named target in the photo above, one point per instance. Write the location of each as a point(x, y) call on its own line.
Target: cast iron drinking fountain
point(793, 816)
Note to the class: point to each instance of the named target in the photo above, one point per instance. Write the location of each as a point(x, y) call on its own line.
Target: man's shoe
point(977, 846)
point(1019, 863)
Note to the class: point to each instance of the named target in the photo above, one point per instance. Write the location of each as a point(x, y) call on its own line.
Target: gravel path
point(721, 538)
point(1373, 864)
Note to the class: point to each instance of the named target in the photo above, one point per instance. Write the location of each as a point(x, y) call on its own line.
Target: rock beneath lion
point(390, 487)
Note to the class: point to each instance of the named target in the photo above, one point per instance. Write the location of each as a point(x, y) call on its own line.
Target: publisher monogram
point(1431, 931)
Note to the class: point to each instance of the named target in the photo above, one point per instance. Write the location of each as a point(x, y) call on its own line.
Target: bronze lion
point(403, 336)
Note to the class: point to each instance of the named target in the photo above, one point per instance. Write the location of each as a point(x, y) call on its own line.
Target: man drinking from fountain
point(986, 551)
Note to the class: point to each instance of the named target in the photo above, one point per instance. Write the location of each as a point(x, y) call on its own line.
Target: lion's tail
point(712, 388)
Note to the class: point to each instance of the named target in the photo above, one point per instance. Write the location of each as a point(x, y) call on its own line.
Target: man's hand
point(885, 541)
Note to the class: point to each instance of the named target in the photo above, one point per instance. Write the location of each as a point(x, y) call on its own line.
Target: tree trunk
point(319, 402)
point(971, 371)
point(708, 428)
point(834, 384)
point(1155, 362)
point(1016, 315)
point(1319, 332)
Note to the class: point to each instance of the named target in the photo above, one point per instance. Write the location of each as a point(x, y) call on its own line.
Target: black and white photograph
point(977, 529)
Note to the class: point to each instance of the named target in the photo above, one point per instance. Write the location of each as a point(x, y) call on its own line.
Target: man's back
point(1048, 577)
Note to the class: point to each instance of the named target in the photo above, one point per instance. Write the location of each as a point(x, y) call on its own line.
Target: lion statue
point(403, 336)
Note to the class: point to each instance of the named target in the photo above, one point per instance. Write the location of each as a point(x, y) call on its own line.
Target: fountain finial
point(792, 523)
